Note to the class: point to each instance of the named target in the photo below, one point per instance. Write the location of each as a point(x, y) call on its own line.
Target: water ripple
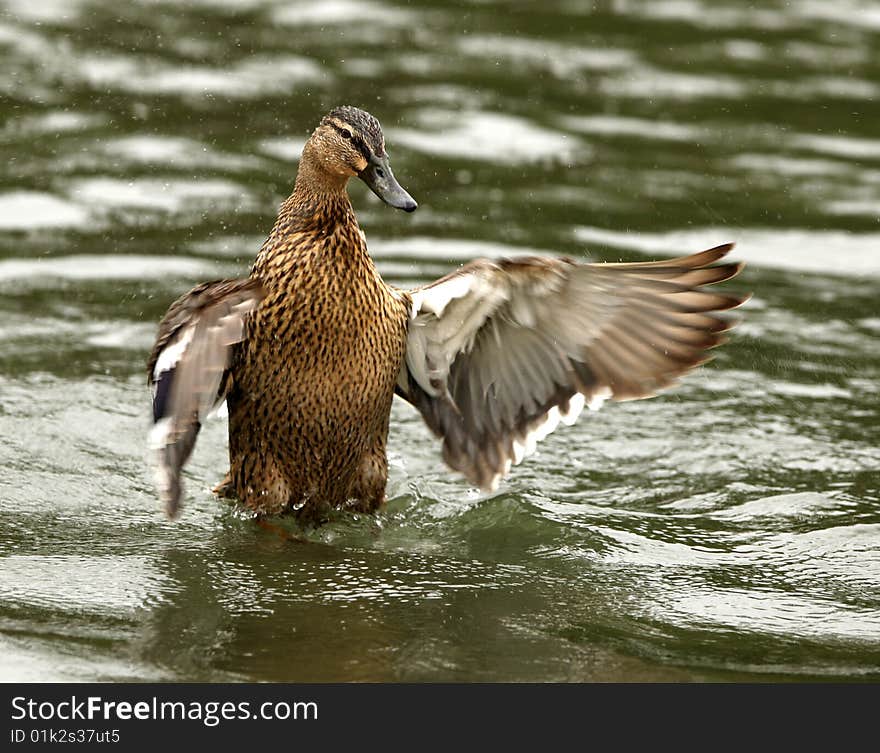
point(486, 136)
point(247, 79)
point(93, 583)
point(27, 210)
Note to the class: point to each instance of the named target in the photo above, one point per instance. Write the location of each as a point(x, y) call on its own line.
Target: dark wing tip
point(691, 261)
point(730, 301)
point(743, 298)
point(710, 255)
point(707, 257)
point(722, 250)
point(726, 271)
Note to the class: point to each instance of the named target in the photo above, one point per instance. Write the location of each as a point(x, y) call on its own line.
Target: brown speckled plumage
point(308, 415)
point(309, 352)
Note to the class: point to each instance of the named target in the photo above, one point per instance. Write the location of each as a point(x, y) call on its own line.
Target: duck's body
point(315, 372)
point(309, 351)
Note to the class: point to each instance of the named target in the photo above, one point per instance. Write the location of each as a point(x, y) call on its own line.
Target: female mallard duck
point(310, 349)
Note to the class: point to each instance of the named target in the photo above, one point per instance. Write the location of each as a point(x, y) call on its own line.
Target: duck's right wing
point(188, 372)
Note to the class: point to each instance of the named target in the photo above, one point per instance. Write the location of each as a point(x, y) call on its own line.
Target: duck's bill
point(378, 176)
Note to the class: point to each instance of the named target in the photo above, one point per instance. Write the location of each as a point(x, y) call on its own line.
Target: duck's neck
point(314, 182)
point(316, 222)
point(319, 200)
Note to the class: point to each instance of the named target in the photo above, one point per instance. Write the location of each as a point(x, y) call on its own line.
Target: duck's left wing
point(500, 352)
point(188, 371)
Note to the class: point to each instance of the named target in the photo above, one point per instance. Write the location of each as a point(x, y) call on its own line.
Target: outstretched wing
point(500, 351)
point(187, 371)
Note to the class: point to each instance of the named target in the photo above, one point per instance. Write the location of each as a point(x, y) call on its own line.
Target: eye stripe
point(362, 148)
point(355, 139)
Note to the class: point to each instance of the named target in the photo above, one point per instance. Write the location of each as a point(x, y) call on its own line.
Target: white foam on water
point(647, 82)
point(745, 49)
point(816, 560)
point(33, 210)
point(33, 658)
point(559, 59)
point(250, 78)
point(57, 121)
point(49, 11)
point(103, 267)
point(768, 611)
point(834, 87)
point(796, 505)
point(831, 341)
point(447, 249)
point(871, 322)
point(169, 195)
point(283, 148)
point(73, 583)
point(707, 14)
point(862, 14)
point(812, 391)
point(223, 5)
point(825, 57)
point(486, 136)
point(174, 152)
point(613, 125)
point(859, 14)
point(228, 245)
point(365, 68)
point(853, 207)
point(150, 148)
point(115, 334)
point(396, 271)
point(340, 12)
point(440, 94)
point(790, 166)
point(838, 146)
point(835, 252)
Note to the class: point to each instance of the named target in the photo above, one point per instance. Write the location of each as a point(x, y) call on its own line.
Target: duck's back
point(314, 378)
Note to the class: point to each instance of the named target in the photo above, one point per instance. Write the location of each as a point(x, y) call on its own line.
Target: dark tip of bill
point(410, 206)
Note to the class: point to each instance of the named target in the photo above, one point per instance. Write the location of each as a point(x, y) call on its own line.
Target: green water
point(727, 530)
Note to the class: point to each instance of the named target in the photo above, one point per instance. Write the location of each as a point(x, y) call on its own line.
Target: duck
point(307, 353)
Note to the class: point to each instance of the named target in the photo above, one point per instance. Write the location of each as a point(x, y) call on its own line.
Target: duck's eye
point(346, 134)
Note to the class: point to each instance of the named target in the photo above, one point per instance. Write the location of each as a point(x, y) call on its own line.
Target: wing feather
point(500, 352)
point(188, 372)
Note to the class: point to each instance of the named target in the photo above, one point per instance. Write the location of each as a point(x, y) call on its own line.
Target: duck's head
point(348, 142)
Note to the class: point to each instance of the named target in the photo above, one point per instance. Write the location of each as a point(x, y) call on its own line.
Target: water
point(728, 530)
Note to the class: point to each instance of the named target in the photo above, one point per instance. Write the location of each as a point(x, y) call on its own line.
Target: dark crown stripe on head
point(365, 123)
